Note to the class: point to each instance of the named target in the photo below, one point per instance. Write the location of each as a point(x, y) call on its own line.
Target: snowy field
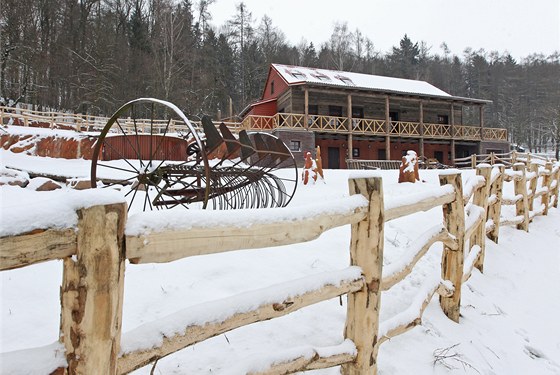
point(509, 322)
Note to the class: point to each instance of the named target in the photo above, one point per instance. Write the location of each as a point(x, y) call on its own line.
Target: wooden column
point(350, 128)
point(452, 117)
point(387, 130)
point(534, 168)
point(452, 260)
point(92, 292)
point(421, 145)
point(481, 111)
point(546, 182)
point(366, 251)
point(522, 205)
point(481, 199)
point(306, 105)
point(495, 210)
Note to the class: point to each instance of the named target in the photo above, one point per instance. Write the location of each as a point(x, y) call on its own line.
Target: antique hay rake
point(150, 147)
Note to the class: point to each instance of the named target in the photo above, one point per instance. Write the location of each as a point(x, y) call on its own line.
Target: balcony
point(405, 129)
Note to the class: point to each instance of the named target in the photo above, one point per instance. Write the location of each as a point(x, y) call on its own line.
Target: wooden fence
point(507, 159)
point(94, 262)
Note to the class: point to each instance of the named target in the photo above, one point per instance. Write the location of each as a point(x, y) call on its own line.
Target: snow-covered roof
point(300, 75)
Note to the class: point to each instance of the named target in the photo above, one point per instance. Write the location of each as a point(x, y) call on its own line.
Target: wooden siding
point(160, 147)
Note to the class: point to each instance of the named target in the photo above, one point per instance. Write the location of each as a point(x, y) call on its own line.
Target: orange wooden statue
point(312, 168)
point(408, 171)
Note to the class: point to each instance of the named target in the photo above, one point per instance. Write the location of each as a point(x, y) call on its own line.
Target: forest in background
point(91, 56)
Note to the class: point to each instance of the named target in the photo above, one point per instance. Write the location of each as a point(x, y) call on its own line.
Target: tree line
point(91, 56)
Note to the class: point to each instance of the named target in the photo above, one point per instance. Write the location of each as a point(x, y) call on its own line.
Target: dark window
point(439, 156)
point(381, 154)
point(295, 145)
point(355, 152)
point(442, 119)
point(394, 116)
point(271, 87)
point(357, 112)
point(313, 109)
point(335, 110)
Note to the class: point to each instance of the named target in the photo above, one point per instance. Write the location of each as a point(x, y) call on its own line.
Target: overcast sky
point(521, 27)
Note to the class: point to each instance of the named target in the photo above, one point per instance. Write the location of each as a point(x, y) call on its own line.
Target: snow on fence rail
point(94, 259)
point(507, 159)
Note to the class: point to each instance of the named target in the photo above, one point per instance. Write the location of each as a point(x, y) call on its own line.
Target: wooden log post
point(92, 292)
point(546, 182)
point(534, 168)
point(522, 205)
point(556, 177)
point(481, 199)
point(452, 260)
point(495, 210)
point(366, 251)
point(473, 161)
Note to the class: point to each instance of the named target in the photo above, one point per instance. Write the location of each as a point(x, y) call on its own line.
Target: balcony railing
point(333, 124)
point(319, 123)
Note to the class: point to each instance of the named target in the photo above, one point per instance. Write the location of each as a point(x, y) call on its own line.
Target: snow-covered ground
point(509, 322)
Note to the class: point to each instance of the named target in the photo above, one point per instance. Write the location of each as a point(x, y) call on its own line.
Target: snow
point(146, 222)
point(298, 74)
point(508, 314)
point(29, 209)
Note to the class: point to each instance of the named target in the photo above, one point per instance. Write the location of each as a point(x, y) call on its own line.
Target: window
point(335, 110)
point(394, 116)
point(296, 74)
point(295, 146)
point(442, 119)
point(345, 80)
point(439, 156)
point(321, 77)
point(271, 87)
point(313, 109)
point(355, 152)
point(381, 154)
point(357, 112)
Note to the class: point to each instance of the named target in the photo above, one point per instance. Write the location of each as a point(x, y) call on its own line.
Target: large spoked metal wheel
point(149, 149)
point(265, 175)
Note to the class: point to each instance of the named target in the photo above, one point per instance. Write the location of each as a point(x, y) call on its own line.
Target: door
point(334, 158)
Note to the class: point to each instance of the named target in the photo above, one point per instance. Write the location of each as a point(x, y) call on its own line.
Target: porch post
point(481, 110)
point(387, 130)
point(306, 105)
point(452, 134)
point(350, 128)
point(422, 130)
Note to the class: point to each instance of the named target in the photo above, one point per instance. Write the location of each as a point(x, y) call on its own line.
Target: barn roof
point(294, 75)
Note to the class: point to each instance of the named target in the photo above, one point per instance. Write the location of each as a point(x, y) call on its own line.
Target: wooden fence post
point(533, 168)
point(556, 177)
point(366, 251)
point(546, 182)
point(92, 292)
point(495, 210)
point(481, 199)
point(513, 157)
point(452, 260)
point(520, 188)
point(473, 161)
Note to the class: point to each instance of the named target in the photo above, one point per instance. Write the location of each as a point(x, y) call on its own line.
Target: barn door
point(334, 158)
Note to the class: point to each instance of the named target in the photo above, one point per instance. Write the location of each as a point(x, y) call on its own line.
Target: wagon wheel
point(265, 175)
point(140, 152)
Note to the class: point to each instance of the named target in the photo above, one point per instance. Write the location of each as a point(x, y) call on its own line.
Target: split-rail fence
point(94, 264)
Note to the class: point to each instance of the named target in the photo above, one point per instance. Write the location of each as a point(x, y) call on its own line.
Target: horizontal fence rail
point(92, 296)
